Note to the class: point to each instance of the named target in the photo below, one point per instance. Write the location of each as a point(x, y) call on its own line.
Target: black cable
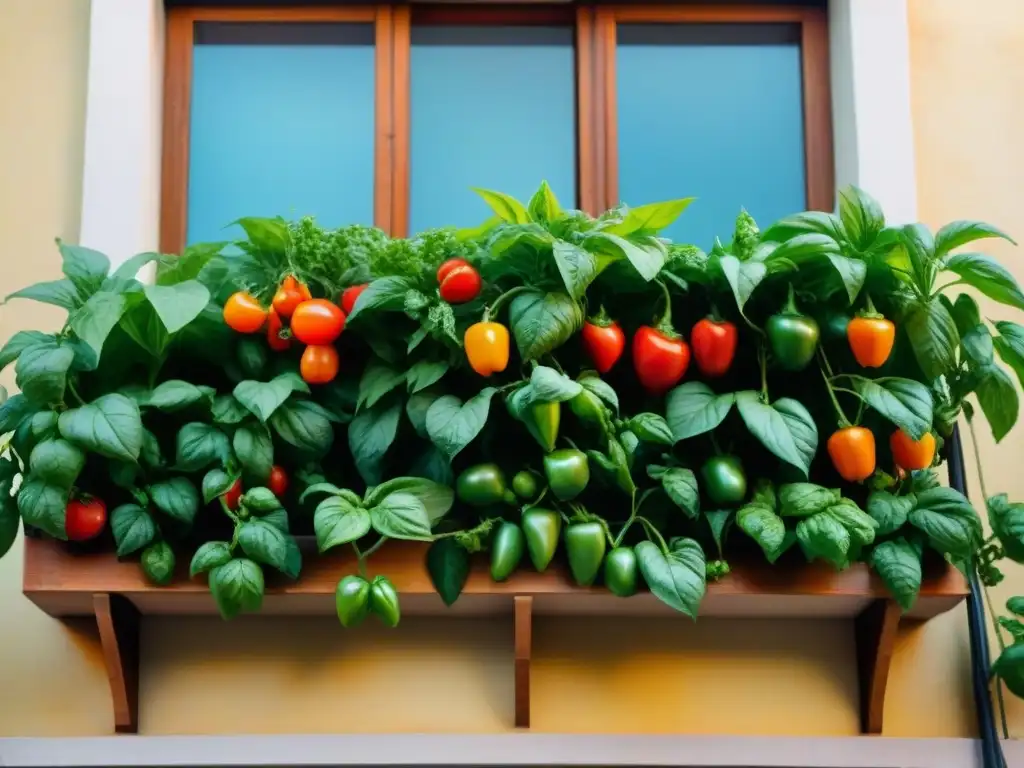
point(991, 747)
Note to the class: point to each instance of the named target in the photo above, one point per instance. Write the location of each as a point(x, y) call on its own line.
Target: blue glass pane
point(281, 124)
point(713, 113)
point(490, 107)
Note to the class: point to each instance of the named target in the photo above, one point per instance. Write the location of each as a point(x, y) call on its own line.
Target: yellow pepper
point(487, 347)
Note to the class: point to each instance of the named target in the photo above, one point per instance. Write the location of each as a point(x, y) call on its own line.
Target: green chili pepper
point(542, 528)
point(546, 417)
point(622, 463)
point(384, 601)
point(585, 545)
point(588, 408)
point(792, 336)
point(725, 482)
point(506, 550)
point(482, 485)
point(620, 571)
point(352, 600)
point(525, 485)
point(631, 443)
point(568, 473)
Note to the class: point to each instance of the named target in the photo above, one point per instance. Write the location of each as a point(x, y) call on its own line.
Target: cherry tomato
point(317, 322)
point(274, 327)
point(319, 364)
point(660, 360)
point(460, 284)
point(289, 295)
point(714, 345)
point(852, 450)
point(278, 482)
point(448, 266)
point(604, 343)
point(84, 518)
point(243, 313)
point(909, 453)
point(233, 495)
point(349, 296)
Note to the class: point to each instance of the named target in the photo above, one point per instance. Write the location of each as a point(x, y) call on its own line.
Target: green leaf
point(176, 395)
point(416, 409)
point(150, 453)
point(377, 380)
point(425, 373)
point(304, 425)
point(10, 519)
point(898, 564)
point(56, 462)
point(337, 521)
point(386, 294)
point(448, 566)
point(824, 536)
point(965, 313)
point(209, 556)
point(549, 386)
point(805, 499)
point(59, 293)
point(42, 371)
point(933, 337)
point(1010, 346)
point(647, 260)
point(988, 276)
point(852, 272)
point(651, 428)
point(177, 498)
point(400, 515)
point(577, 267)
point(677, 579)
point(14, 411)
point(267, 544)
point(131, 267)
point(1007, 521)
point(216, 483)
point(371, 434)
point(743, 277)
point(158, 563)
point(650, 218)
point(133, 528)
point(949, 521)
point(958, 233)
point(785, 428)
point(505, 206)
point(593, 383)
point(998, 398)
point(906, 403)
point(21, 341)
point(1015, 605)
point(199, 445)
point(84, 267)
point(760, 523)
point(544, 206)
point(860, 524)
point(803, 248)
point(277, 518)
point(978, 346)
point(262, 399)
point(1009, 668)
point(861, 215)
point(255, 452)
point(141, 322)
point(95, 319)
point(237, 587)
point(436, 498)
point(542, 322)
point(227, 410)
point(110, 425)
point(452, 425)
point(681, 487)
point(693, 409)
point(330, 488)
point(806, 222)
point(890, 512)
point(43, 505)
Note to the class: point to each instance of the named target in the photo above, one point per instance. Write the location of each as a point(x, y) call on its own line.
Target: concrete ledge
point(500, 750)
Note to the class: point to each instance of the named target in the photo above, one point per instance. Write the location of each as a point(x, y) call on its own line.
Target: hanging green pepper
point(568, 473)
point(506, 551)
point(525, 485)
point(620, 571)
point(546, 417)
point(792, 336)
point(482, 485)
point(542, 528)
point(585, 545)
point(588, 408)
point(384, 601)
point(725, 482)
point(352, 600)
point(621, 460)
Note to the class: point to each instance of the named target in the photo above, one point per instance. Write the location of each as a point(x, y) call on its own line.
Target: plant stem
point(762, 359)
point(843, 421)
point(1002, 646)
point(74, 391)
point(664, 323)
point(977, 460)
point(495, 307)
point(649, 527)
point(377, 545)
point(940, 289)
point(635, 507)
point(360, 561)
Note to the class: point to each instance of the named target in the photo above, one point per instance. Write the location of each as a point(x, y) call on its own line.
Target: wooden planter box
point(116, 593)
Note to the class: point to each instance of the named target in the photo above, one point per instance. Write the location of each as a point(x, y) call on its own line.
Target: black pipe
point(991, 747)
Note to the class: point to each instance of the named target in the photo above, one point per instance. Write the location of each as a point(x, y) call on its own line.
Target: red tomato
point(349, 296)
point(233, 495)
point(274, 327)
point(319, 364)
point(84, 518)
point(291, 293)
point(660, 360)
point(460, 284)
point(317, 322)
point(278, 482)
point(243, 313)
point(714, 345)
point(448, 266)
point(604, 344)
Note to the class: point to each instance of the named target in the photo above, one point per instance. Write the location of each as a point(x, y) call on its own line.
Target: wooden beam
point(819, 166)
point(118, 622)
point(523, 630)
point(875, 630)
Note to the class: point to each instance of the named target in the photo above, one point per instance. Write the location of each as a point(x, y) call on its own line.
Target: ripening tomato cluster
point(295, 314)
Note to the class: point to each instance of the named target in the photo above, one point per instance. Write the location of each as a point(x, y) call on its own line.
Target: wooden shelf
point(65, 584)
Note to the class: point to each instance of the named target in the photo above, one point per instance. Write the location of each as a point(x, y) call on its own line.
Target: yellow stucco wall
point(260, 675)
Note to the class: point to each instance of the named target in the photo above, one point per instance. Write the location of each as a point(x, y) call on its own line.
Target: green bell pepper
point(588, 408)
point(621, 571)
point(352, 600)
point(585, 544)
point(483, 485)
point(725, 482)
point(506, 550)
point(525, 485)
point(384, 601)
point(568, 472)
point(542, 528)
point(792, 336)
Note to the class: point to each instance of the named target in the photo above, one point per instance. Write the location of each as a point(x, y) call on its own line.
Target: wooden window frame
point(819, 171)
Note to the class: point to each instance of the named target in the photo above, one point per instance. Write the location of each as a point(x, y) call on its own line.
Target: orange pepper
point(487, 347)
point(912, 454)
point(852, 450)
point(871, 337)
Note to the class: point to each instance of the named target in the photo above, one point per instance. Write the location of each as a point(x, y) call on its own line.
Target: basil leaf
point(110, 426)
point(42, 505)
point(400, 515)
point(593, 383)
point(890, 512)
point(899, 566)
point(958, 233)
point(861, 215)
point(577, 267)
point(507, 208)
point(1007, 521)
point(255, 452)
point(133, 528)
point(448, 566)
point(678, 578)
point(549, 386)
point(216, 483)
point(785, 428)
point(199, 445)
point(860, 524)
point(761, 524)
point(56, 462)
point(999, 401)
point(988, 276)
point(370, 435)
point(42, 370)
point(60, 293)
point(377, 380)
point(304, 425)
point(1009, 667)
point(805, 499)
point(338, 521)
point(436, 498)
point(265, 543)
point(681, 487)
point(743, 277)
point(262, 399)
point(176, 498)
point(906, 403)
point(425, 373)
point(237, 587)
point(21, 341)
point(227, 410)
point(693, 409)
point(933, 336)
point(949, 521)
point(175, 395)
point(209, 556)
point(453, 425)
point(824, 536)
point(651, 428)
point(178, 305)
point(542, 322)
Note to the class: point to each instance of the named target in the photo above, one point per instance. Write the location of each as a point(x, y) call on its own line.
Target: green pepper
point(546, 418)
point(384, 601)
point(482, 485)
point(792, 336)
point(352, 600)
point(542, 528)
point(506, 550)
point(631, 443)
point(568, 473)
point(525, 485)
point(588, 408)
point(585, 545)
point(620, 459)
point(620, 571)
point(725, 482)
